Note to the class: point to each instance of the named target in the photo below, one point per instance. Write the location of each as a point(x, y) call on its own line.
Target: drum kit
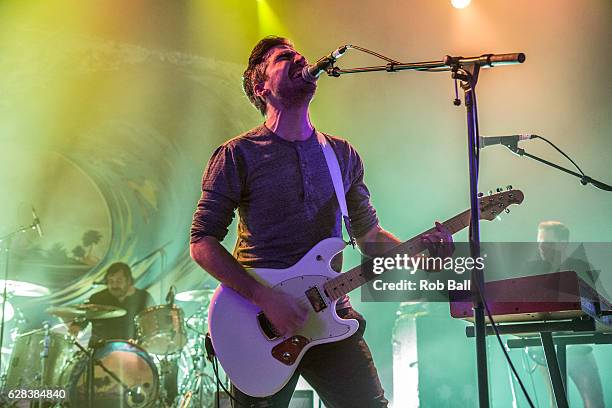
point(113, 373)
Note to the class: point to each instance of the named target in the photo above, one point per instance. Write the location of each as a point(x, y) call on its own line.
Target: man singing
point(277, 177)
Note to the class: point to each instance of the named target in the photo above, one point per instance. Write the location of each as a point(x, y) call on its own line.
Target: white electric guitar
point(257, 360)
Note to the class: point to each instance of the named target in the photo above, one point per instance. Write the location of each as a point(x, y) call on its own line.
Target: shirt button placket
point(303, 171)
point(306, 179)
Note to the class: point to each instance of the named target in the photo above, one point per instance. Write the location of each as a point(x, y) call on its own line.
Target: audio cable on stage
point(212, 357)
point(481, 289)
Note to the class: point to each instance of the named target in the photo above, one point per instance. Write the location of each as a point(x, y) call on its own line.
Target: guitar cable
point(501, 344)
point(527, 367)
point(212, 357)
point(480, 289)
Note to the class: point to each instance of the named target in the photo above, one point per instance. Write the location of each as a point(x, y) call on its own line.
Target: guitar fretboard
point(347, 281)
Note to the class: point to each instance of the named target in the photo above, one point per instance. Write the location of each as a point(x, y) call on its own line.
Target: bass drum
point(130, 363)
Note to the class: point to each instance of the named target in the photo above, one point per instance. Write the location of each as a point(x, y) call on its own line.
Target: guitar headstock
point(494, 204)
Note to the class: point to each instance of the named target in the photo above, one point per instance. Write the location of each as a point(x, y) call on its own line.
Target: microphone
point(171, 294)
point(36, 223)
point(507, 141)
point(311, 73)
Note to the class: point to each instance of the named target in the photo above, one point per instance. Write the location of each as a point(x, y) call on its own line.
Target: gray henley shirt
point(284, 195)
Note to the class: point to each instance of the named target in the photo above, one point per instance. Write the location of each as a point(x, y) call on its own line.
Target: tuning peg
point(490, 192)
point(507, 210)
point(480, 194)
point(508, 187)
point(499, 189)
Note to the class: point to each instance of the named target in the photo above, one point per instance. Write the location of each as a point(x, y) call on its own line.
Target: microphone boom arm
point(584, 179)
point(485, 61)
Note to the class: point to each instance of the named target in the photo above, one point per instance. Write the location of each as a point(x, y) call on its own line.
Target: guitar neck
point(350, 280)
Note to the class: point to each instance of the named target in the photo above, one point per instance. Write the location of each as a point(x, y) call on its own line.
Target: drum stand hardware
point(164, 364)
point(193, 384)
point(44, 354)
point(192, 390)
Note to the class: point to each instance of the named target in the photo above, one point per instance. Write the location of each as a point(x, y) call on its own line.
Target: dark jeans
point(342, 374)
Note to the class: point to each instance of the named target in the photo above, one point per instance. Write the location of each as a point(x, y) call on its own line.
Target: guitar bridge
point(316, 300)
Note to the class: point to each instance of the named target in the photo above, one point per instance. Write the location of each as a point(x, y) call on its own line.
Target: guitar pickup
point(266, 327)
point(316, 300)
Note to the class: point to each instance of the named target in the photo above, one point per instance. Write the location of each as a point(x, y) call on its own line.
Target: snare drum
point(161, 329)
point(130, 363)
point(25, 369)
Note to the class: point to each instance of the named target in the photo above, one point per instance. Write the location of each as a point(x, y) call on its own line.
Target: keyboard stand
point(581, 330)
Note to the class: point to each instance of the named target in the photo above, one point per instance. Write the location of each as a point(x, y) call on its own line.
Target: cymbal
point(9, 312)
point(198, 295)
point(87, 311)
point(27, 289)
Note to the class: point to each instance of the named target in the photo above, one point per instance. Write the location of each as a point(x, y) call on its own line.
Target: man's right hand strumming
point(285, 312)
point(282, 310)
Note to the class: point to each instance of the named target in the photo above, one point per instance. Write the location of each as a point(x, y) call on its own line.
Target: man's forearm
point(377, 242)
point(217, 261)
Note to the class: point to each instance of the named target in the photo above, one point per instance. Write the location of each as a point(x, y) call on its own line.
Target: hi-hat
point(87, 311)
point(27, 289)
point(198, 295)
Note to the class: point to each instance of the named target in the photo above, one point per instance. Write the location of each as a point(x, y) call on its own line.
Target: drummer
point(119, 292)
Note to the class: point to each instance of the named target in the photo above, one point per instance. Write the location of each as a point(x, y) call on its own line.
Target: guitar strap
point(336, 176)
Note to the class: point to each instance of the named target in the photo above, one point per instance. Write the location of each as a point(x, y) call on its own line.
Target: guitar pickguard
point(322, 323)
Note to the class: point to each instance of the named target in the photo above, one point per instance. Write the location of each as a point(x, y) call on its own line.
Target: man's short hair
point(560, 230)
point(119, 267)
point(256, 70)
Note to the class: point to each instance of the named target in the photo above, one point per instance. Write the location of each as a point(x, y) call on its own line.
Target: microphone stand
point(8, 239)
point(466, 70)
point(150, 254)
point(44, 356)
point(163, 260)
point(469, 78)
point(584, 179)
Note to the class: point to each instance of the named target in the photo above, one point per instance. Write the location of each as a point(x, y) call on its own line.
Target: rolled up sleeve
point(361, 212)
point(222, 185)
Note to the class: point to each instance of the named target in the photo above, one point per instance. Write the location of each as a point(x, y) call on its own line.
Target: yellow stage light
point(460, 3)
